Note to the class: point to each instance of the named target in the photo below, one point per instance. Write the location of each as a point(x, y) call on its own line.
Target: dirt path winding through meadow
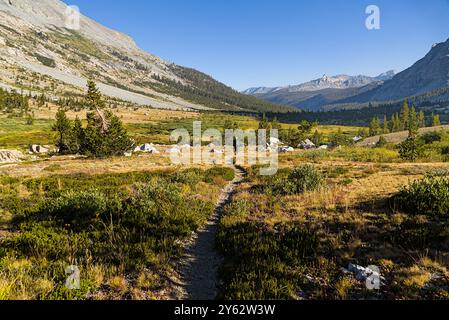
point(199, 267)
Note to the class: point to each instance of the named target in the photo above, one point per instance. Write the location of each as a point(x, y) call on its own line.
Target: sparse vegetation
point(46, 61)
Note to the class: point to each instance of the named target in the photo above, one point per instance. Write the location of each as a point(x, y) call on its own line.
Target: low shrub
point(429, 196)
point(304, 178)
point(190, 177)
point(224, 172)
point(431, 137)
point(382, 142)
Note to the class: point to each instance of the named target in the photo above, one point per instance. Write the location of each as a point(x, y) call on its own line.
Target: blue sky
point(246, 43)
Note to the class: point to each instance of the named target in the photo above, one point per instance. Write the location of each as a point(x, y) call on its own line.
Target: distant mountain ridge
point(39, 51)
point(428, 74)
point(423, 78)
point(326, 82)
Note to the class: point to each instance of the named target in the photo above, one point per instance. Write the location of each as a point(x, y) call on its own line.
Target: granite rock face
point(40, 37)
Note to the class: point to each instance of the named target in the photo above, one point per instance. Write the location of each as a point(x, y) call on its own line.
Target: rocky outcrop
point(10, 156)
point(37, 39)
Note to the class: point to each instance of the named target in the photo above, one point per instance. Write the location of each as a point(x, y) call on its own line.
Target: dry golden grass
point(355, 221)
point(398, 137)
point(127, 115)
point(63, 165)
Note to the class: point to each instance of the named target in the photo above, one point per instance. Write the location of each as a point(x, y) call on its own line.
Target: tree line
point(406, 119)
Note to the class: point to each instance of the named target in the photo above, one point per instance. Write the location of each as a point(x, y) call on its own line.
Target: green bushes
point(410, 149)
point(431, 137)
point(302, 179)
point(260, 260)
point(224, 172)
point(121, 224)
point(78, 210)
point(190, 177)
point(429, 196)
point(46, 61)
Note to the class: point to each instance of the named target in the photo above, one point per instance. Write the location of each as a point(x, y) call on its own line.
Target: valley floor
point(274, 246)
point(127, 223)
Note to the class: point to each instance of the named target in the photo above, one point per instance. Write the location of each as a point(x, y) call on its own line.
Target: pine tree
point(382, 142)
point(77, 137)
point(435, 120)
point(421, 119)
point(405, 115)
point(395, 123)
point(93, 99)
point(375, 127)
point(317, 138)
point(409, 149)
point(413, 123)
point(264, 124)
point(63, 128)
point(306, 127)
point(386, 126)
point(104, 135)
point(117, 140)
point(30, 118)
point(275, 124)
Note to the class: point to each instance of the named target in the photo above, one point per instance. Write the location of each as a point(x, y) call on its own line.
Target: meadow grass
point(295, 246)
point(123, 231)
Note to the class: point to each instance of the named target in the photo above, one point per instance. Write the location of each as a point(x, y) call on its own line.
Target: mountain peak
point(51, 14)
point(36, 39)
point(341, 81)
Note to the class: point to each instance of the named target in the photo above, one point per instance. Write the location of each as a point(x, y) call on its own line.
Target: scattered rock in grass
point(38, 149)
point(10, 156)
point(362, 273)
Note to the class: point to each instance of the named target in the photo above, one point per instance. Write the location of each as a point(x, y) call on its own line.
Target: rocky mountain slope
point(325, 82)
point(426, 75)
point(42, 51)
point(426, 80)
point(316, 93)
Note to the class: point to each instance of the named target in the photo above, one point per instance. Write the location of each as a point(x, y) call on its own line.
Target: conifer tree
point(317, 138)
point(386, 126)
point(104, 135)
point(421, 119)
point(264, 124)
point(405, 115)
point(435, 120)
point(394, 123)
point(63, 128)
point(413, 123)
point(77, 138)
point(375, 126)
point(275, 124)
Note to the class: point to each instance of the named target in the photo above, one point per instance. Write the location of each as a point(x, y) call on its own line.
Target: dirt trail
point(199, 266)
